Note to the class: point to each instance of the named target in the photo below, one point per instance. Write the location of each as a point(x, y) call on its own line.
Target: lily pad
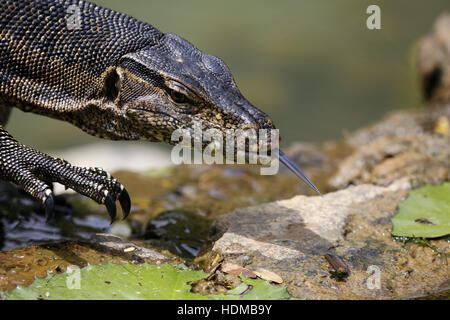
point(425, 213)
point(128, 281)
point(259, 290)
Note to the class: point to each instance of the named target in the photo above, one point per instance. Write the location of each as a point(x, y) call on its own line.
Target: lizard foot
point(34, 171)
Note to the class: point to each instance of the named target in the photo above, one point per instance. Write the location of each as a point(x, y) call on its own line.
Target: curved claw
point(111, 207)
point(49, 204)
point(125, 203)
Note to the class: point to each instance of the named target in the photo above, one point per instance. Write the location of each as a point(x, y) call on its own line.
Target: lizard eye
point(177, 97)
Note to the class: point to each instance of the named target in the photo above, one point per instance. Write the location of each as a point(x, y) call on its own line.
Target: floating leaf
point(425, 213)
point(259, 290)
point(128, 281)
point(265, 290)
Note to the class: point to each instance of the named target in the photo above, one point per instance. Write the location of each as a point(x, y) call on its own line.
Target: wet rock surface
point(22, 265)
point(169, 222)
point(177, 231)
point(374, 168)
point(406, 144)
point(22, 220)
point(291, 238)
point(182, 212)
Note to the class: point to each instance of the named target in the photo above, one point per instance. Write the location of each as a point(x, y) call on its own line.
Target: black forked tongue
point(298, 172)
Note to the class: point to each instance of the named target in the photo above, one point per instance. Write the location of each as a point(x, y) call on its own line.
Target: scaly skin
point(114, 77)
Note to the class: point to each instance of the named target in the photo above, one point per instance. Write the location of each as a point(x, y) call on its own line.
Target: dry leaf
point(268, 275)
point(216, 260)
point(442, 126)
point(232, 268)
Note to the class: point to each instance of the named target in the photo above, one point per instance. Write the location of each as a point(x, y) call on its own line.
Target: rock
point(291, 237)
point(400, 124)
point(115, 244)
point(405, 145)
point(22, 265)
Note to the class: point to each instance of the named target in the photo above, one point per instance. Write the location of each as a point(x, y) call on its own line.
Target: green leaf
point(262, 290)
point(425, 213)
point(128, 281)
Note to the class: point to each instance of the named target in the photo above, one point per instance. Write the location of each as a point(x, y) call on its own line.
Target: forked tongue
point(298, 172)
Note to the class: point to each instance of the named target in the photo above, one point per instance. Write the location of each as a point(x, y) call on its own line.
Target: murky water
point(182, 233)
point(171, 210)
point(22, 221)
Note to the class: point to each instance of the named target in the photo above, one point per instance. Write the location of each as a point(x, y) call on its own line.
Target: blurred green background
point(312, 65)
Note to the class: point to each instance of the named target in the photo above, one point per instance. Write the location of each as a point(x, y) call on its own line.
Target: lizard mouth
point(282, 156)
point(149, 111)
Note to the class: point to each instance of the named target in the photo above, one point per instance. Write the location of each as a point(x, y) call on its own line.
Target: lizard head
point(171, 85)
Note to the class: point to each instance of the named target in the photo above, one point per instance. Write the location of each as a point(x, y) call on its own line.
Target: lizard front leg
point(33, 170)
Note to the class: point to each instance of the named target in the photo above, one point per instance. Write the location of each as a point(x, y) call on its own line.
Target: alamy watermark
point(373, 22)
point(74, 19)
point(231, 147)
point(73, 280)
point(373, 282)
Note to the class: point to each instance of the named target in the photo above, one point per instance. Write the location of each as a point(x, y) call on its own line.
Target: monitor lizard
point(113, 76)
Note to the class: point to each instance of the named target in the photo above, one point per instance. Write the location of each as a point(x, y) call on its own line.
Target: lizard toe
point(111, 207)
point(49, 204)
point(115, 188)
point(125, 203)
